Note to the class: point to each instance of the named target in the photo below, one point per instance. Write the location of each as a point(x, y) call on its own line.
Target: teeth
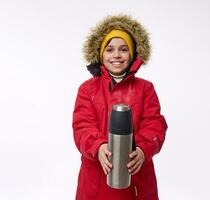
point(116, 63)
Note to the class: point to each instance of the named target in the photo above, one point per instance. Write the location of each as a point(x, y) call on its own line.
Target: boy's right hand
point(103, 154)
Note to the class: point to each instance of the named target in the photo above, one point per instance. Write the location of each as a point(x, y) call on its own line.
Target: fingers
point(107, 152)
point(137, 158)
point(135, 168)
point(106, 168)
point(133, 154)
point(103, 155)
point(105, 163)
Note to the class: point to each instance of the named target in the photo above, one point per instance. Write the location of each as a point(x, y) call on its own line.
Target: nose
point(116, 54)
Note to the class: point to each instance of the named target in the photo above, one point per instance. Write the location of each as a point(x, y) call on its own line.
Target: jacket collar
point(133, 69)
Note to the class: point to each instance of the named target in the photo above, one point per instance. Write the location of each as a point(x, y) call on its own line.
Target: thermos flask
point(120, 139)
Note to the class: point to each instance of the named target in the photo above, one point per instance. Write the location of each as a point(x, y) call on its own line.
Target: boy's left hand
point(137, 159)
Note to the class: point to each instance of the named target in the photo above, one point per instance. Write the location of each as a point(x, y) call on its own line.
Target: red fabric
point(90, 124)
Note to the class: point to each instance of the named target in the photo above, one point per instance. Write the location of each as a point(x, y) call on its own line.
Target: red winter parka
point(90, 124)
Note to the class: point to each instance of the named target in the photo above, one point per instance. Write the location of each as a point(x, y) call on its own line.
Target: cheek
point(127, 57)
point(106, 56)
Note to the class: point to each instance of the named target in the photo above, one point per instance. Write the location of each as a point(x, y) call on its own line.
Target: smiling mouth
point(116, 63)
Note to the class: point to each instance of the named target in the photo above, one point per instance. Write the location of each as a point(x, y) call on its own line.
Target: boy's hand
point(103, 154)
point(137, 159)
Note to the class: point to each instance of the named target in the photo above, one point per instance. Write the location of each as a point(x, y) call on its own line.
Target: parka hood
point(140, 37)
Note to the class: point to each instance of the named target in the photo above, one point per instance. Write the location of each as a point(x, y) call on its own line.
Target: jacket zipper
point(136, 191)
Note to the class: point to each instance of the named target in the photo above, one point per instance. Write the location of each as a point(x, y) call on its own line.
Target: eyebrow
point(124, 45)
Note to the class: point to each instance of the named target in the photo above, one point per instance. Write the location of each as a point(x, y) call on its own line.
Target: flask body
point(120, 140)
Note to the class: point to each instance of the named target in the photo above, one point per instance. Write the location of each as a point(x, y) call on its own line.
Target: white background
point(42, 66)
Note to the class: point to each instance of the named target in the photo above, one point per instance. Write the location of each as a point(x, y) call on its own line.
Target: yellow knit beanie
point(117, 34)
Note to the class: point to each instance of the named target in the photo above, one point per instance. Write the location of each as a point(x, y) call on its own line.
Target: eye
point(124, 49)
point(109, 50)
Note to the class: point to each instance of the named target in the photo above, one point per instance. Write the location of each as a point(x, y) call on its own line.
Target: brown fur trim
point(122, 22)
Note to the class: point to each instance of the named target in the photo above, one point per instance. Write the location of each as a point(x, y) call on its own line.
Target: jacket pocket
point(90, 176)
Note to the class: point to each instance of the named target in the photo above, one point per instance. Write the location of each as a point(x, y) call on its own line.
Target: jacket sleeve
point(85, 126)
point(153, 126)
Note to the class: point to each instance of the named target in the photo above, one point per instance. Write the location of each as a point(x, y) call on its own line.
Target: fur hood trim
point(140, 36)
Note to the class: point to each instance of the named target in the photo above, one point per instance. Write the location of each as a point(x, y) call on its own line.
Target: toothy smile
point(116, 63)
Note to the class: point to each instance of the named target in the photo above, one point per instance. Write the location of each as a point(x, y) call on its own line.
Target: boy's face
point(116, 56)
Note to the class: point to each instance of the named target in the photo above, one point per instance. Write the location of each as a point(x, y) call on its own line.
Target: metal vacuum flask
point(120, 144)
